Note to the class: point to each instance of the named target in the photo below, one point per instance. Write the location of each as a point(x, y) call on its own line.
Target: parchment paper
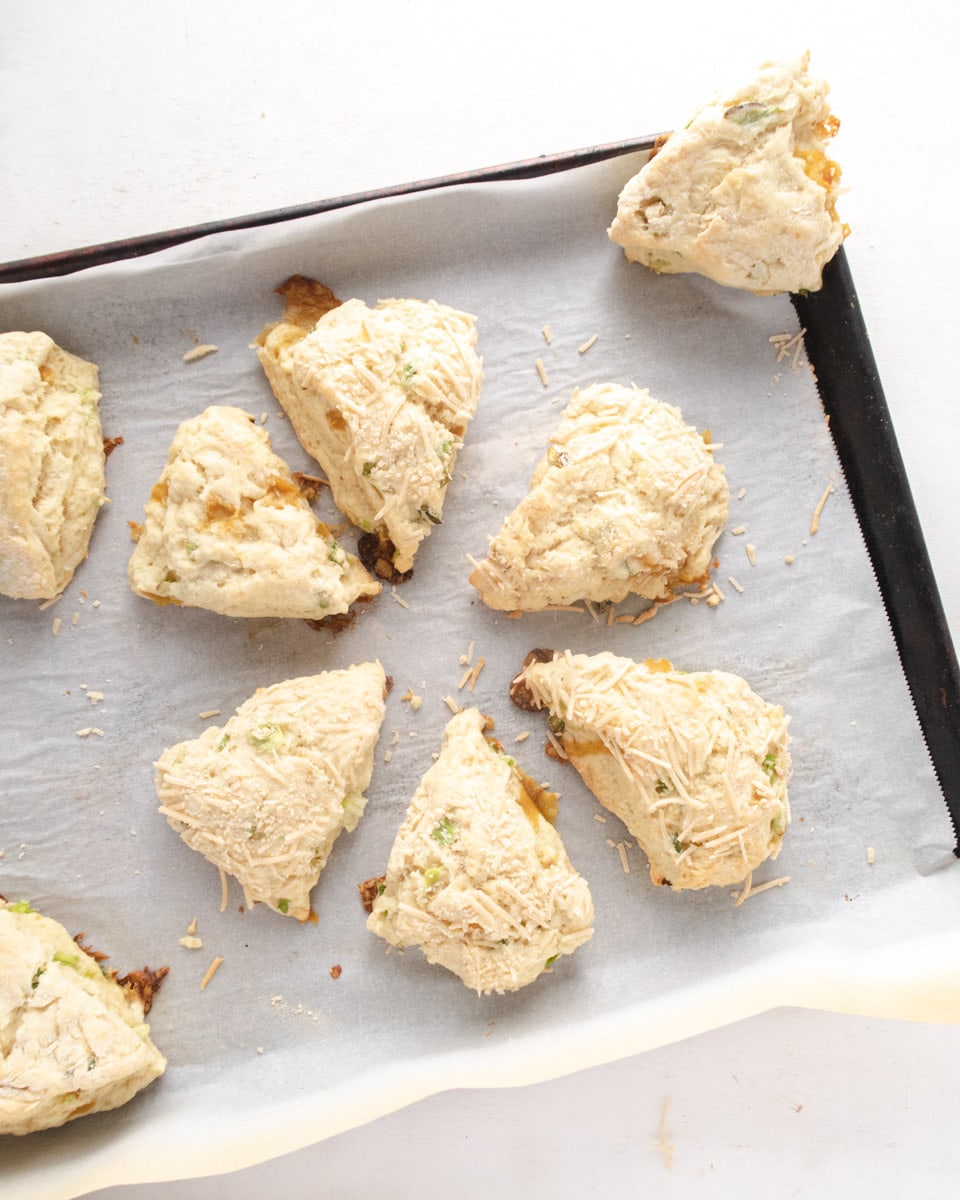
point(275, 1053)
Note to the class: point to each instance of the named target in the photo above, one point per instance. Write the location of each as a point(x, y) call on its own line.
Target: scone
point(51, 464)
point(478, 877)
point(744, 194)
point(628, 500)
point(73, 1040)
point(227, 529)
point(695, 764)
point(265, 797)
point(381, 397)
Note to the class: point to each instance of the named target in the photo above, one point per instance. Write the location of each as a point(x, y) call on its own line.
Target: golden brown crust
point(144, 984)
point(376, 552)
point(520, 694)
point(307, 300)
point(369, 890)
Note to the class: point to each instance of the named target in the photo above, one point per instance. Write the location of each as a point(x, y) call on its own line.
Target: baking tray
point(275, 1054)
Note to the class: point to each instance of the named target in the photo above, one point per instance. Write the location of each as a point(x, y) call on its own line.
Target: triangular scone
point(72, 1039)
point(228, 529)
point(478, 877)
point(265, 797)
point(381, 398)
point(628, 500)
point(695, 765)
point(51, 464)
point(744, 194)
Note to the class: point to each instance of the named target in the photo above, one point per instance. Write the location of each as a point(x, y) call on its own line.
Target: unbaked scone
point(72, 1039)
point(51, 464)
point(227, 529)
point(628, 500)
point(381, 397)
point(744, 194)
point(695, 764)
point(478, 878)
point(265, 797)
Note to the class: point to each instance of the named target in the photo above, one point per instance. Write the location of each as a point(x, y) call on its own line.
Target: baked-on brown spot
point(310, 485)
point(336, 971)
point(376, 551)
point(370, 890)
point(335, 624)
point(307, 300)
point(144, 984)
point(110, 444)
point(520, 694)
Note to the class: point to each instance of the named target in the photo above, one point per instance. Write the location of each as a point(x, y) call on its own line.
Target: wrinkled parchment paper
point(275, 1053)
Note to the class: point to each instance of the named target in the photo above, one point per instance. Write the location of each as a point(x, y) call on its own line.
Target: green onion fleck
point(283, 904)
point(445, 833)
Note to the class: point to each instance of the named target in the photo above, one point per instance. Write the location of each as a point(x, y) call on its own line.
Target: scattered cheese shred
point(542, 372)
point(463, 679)
point(191, 943)
point(588, 344)
point(55, 627)
point(870, 855)
point(648, 615)
point(815, 519)
point(600, 817)
point(475, 674)
point(738, 530)
point(211, 971)
point(522, 737)
point(451, 704)
point(788, 559)
point(574, 608)
point(749, 890)
point(751, 553)
point(224, 895)
point(741, 493)
point(665, 1147)
point(200, 352)
point(547, 334)
point(467, 659)
point(208, 713)
point(192, 927)
point(622, 851)
point(399, 599)
point(737, 587)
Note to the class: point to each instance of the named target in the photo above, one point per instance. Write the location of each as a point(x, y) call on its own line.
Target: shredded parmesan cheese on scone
point(695, 764)
point(628, 500)
point(478, 877)
point(265, 797)
point(381, 397)
point(745, 193)
point(227, 529)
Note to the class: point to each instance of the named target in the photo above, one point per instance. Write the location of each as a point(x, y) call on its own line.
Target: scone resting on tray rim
point(228, 529)
point(478, 878)
point(695, 764)
point(746, 193)
point(381, 397)
point(52, 478)
point(627, 500)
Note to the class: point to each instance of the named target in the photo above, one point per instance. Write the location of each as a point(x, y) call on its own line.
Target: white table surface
point(122, 119)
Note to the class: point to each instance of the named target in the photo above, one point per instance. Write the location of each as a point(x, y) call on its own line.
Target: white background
point(126, 118)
